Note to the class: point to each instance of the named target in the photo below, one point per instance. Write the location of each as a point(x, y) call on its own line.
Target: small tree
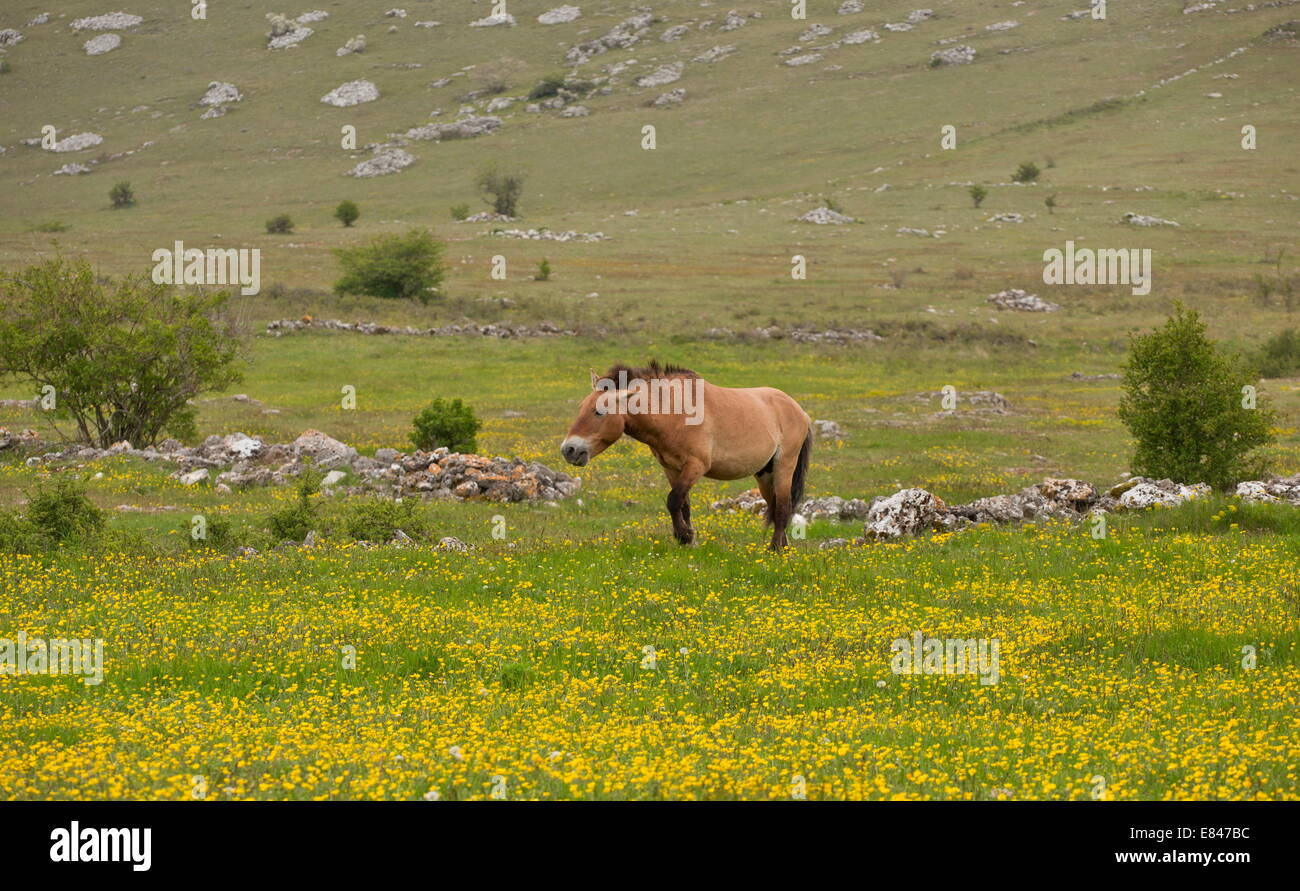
point(450, 424)
point(121, 195)
point(460, 212)
point(543, 271)
point(395, 267)
point(281, 224)
point(1050, 201)
point(122, 360)
point(347, 213)
point(978, 194)
point(500, 189)
point(1187, 405)
point(1026, 173)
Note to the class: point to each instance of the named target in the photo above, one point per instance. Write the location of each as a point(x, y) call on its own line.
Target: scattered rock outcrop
point(661, 76)
point(112, 21)
point(220, 93)
point(1137, 219)
point(915, 511)
point(102, 43)
point(77, 142)
point(502, 330)
point(621, 36)
point(548, 235)
point(387, 159)
point(559, 15)
point(953, 55)
point(354, 92)
point(824, 216)
point(1021, 301)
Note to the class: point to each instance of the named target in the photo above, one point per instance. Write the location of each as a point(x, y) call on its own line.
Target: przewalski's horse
point(695, 429)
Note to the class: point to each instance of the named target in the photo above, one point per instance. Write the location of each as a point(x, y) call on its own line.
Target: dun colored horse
point(696, 429)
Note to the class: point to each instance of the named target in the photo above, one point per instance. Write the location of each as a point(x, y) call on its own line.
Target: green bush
point(547, 87)
point(220, 534)
point(122, 195)
point(61, 512)
point(378, 519)
point(543, 271)
point(1183, 403)
point(18, 535)
point(1026, 173)
point(1279, 356)
point(393, 267)
point(978, 194)
point(281, 224)
point(293, 522)
point(446, 424)
point(347, 212)
point(459, 212)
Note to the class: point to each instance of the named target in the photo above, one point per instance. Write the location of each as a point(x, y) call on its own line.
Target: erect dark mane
point(653, 371)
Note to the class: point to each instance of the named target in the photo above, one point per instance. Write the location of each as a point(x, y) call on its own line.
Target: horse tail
point(800, 472)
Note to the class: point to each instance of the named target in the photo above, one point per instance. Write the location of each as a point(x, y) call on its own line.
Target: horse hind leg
point(765, 488)
point(781, 504)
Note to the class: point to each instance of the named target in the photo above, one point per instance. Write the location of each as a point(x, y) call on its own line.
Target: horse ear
point(594, 378)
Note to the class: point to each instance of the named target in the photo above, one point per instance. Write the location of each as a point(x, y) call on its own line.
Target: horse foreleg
point(679, 502)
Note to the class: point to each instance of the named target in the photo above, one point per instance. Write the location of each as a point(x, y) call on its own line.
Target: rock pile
point(10, 37)
point(253, 463)
point(1022, 301)
point(1285, 489)
point(503, 330)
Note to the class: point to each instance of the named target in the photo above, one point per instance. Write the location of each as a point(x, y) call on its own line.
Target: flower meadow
point(619, 666)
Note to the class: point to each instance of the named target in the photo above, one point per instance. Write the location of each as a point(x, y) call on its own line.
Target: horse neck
point(644, 428)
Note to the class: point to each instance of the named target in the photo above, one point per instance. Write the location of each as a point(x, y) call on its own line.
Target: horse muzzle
point(576, 452)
